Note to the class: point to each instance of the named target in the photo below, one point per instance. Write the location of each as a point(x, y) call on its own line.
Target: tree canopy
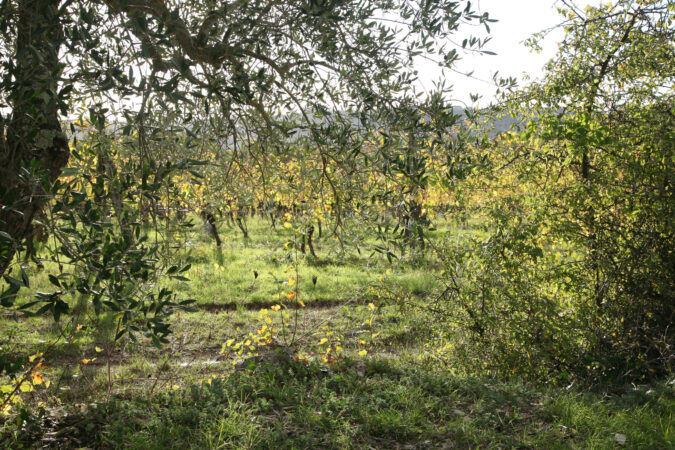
point(243, 65)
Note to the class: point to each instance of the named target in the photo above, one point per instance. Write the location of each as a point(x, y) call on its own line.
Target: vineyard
point(241, 226)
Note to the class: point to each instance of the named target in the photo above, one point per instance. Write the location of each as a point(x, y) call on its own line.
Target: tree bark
point(34, 148)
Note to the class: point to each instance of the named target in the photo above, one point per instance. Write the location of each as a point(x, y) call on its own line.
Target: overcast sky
point(517, 21)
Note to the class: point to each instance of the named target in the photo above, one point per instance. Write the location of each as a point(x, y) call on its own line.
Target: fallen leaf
point(620, 438)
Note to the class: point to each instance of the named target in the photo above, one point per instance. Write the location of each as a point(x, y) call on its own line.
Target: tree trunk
point(310, 232)
point(242, 225)
point(34, 148)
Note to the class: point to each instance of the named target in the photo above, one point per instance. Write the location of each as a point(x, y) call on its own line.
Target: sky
point(517, 21)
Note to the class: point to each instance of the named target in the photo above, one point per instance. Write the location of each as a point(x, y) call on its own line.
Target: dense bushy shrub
point(576, 276)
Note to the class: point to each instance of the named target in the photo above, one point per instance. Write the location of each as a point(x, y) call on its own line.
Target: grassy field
point(350, 369)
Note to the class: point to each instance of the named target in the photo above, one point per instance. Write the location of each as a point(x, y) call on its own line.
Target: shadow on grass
point(354, 404)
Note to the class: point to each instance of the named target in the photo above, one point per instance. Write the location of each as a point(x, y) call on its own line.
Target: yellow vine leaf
point(37, 378)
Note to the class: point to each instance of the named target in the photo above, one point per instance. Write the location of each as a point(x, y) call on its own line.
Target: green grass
point(394, 397)
point(225, 276)
point(364, 404)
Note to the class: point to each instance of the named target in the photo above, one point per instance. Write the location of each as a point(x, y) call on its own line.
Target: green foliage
point(106, 261)
point(576, 276)
point(616, 136)
point(236, 79)
point(394, 395)
point(305, 114)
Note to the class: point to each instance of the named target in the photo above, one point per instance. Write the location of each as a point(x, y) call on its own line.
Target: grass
point(188, 394)
point(235, 264)
point(363, 404)
point(226, 277)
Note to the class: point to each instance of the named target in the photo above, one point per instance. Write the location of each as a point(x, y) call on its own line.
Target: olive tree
point(242, 67)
